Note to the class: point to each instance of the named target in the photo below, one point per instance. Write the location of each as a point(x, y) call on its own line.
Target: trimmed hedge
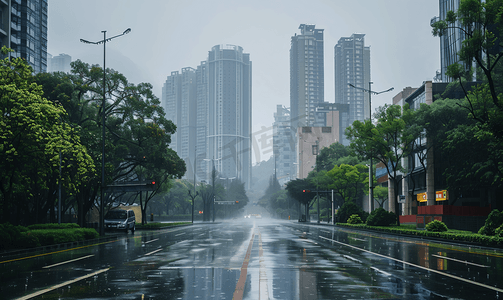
point(19, 237)
point(449, 236)
point(355, 219)
point(493, 222)
point(436, 226)
point(381, 217)
point(54, 226)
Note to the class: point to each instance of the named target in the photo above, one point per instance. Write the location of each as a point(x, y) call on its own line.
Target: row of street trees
point(53, 119)
point(178, 200)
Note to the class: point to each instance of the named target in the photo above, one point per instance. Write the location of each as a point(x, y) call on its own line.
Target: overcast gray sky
point(169, 35)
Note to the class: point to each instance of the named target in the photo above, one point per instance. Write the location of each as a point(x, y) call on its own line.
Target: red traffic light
point(237, 202)
point(306, 191)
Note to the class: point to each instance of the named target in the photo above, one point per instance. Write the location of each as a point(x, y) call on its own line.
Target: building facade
point(307, 81)
point(23, 28)
point(211, 107)
point(352, 66)
point(312, 139)
point(59, 63)
point(229, 112)
point(451, 41)
point(283, 146)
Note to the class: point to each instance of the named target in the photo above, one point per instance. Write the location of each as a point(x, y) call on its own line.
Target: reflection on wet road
point(257, 259)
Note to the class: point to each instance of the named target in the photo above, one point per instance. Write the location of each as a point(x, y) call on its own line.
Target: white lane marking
point(263, 282)
point(352, 258)
point(67, 262)
point(420, 267)
point(150, 253)
point(357, 239)
point(180, 234)
point(460, 261)
point(62, 285)
point(381, 271)
point(150, 241)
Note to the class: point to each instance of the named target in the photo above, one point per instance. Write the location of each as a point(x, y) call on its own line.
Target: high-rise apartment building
point(451, 41)
point(306, 75)
point(23, 28)
point(229, 111)
point(202, 121)
point(352, 66)
point(59, 63)
point(283, 146)
point(179, 103)
point(211, 107)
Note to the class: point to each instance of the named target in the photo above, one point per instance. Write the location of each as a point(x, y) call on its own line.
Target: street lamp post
point(371, 187)
point(104, 42)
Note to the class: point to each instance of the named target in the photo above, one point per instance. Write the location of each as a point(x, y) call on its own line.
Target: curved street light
point(371, 188)
point(104, 42)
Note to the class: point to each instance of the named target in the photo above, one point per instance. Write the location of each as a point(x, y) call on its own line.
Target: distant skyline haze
point(169, 35)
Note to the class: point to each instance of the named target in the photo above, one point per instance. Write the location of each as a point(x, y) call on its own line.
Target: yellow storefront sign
point(441, 195)
point(421, 197)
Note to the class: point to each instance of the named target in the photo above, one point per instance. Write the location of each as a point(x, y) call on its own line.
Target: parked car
point(120, 219)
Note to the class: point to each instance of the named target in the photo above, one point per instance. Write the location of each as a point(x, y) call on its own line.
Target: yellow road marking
point(50, 253)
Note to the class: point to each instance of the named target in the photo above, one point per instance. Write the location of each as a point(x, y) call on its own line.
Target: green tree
point(349, 182)
point(137, 133)
point(380, 194)
point(450, 128)
point(32, 136)
point(296, 189)
point(388, 141)
point(482, 24)
point(334, 155)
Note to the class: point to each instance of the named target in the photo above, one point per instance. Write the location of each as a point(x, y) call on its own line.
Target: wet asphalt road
point(257, 259)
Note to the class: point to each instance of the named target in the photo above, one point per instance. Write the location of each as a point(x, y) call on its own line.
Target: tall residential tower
point(229, 111)
point(211, 107)
point(352, 66)
point(306, 75)
point(23, 28)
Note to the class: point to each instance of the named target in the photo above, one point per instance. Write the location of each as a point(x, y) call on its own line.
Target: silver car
point(119, 219)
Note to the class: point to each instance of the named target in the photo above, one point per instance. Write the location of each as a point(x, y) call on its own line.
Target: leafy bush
point(348, 209)
point(499, 231)
point(448, 235)
point(54, 226)
point(355, 219)
point(59, 236)
point(381, 217)
point(493, 221)
point(9, 234)
point(26, 240)
point(436, 226)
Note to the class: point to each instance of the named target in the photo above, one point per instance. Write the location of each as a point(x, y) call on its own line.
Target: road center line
point(418, 266)
point(67, 262)
point(263, 282)
point(460, 261)
point(62, 285)
point(240, 286)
